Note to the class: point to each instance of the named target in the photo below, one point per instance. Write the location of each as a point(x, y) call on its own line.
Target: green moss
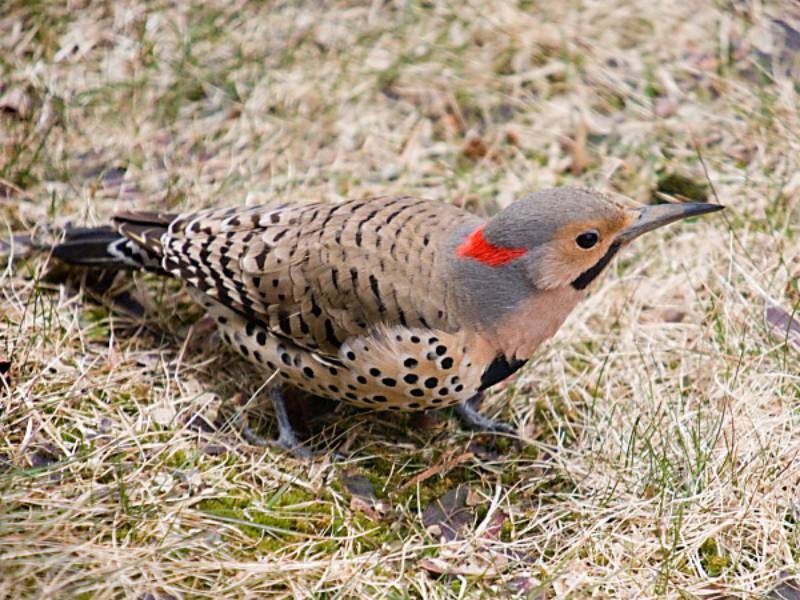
point(714, 563)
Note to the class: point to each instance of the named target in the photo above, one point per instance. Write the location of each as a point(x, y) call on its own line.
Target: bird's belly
point(397, 369)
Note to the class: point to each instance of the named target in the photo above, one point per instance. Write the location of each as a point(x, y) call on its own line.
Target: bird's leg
point(287, 438)
point(474, 420)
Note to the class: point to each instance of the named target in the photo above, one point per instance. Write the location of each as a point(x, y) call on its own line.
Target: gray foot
point(472, 419)
point(287, 438)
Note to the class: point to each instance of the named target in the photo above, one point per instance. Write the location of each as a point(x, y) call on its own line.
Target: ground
point(662, 421)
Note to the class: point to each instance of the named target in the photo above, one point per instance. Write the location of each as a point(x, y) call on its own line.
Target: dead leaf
point(665, 107)
point(512, 137)
point(441, 467)
point(577, 148)
point(373, 512)
point(788, 589)
point(665, 315)
point(475, 148)
point(162, 415)
point(783, 325)
point(18, 101)
point(495, 526)
point(448, 516)
point(364, 499)
point(426, 421)
point(439, 566)
point(523, 585)
point(672, 315)
point(358, 485)
point(43, 456)
point(113, 177)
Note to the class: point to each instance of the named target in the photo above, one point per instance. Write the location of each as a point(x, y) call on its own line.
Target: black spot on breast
point(287, 360)
point(415, 339)
point(431, 382)
point(250, 328)
point(350, 355)
point(351, 396)
point(389, 382)
point(380, 398)
point(243, 349)
point(261, 338)
point(414, 405)
point(441, 350)
point(411, 378)
point(222, 320)
point(333, 371)
point(333, 388)
point(444, 391)
point(375, 372)
point(410, 363)
point(499, 370)
point(257, 356)
point(447, 362)
point(458, 388)
point(417, 393)
point(361, 379)
point(308, 372)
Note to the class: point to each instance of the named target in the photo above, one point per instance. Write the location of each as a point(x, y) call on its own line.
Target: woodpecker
point(389, 303)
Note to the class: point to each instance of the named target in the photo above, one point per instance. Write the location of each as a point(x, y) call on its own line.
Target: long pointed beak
point(658, 215)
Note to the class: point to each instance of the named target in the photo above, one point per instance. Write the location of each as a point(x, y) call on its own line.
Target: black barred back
point(319, 273)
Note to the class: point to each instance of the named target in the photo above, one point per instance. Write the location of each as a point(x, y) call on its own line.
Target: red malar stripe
point(476, 246)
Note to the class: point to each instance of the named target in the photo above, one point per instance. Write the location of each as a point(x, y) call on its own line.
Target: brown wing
point(321, 273)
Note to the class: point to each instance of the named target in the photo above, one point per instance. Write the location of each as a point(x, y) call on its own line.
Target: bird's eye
point(587, 239)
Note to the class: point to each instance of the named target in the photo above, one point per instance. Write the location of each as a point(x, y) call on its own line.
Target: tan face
point(578, 246)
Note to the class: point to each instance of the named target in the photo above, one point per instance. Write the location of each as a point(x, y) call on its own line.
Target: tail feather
point(144, 228)
point(90, 247)
point(133, 243)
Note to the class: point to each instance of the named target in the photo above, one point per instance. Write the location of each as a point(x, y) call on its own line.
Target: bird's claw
point(475, 421)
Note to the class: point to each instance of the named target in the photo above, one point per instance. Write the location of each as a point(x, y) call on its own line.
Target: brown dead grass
point(663, 417)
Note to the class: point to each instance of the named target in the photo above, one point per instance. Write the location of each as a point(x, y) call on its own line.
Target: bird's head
point(566, 236)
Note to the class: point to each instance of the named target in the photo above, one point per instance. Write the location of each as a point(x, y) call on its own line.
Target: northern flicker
point(392, 303)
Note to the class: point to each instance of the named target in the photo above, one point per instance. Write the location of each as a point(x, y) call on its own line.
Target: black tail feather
point(90, 247)
point(105, 248)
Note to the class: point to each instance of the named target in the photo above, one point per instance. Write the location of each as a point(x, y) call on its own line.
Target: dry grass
point(663, 418)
